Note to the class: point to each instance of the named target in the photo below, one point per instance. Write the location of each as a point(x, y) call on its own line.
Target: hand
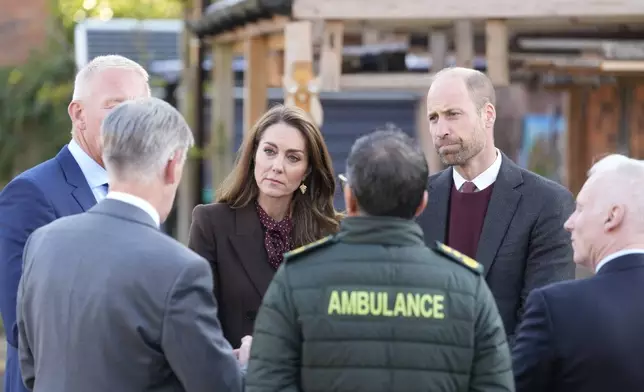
point(243, 352)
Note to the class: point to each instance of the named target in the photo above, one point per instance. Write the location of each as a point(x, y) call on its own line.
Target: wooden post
point(424, 137)
point(187, 191)
point(222, 121)
point(331, 56)
point(255, 81)
point(438, 49)
point(274, 67)
point(301, 85)
point(496, 52)
point(464, 43)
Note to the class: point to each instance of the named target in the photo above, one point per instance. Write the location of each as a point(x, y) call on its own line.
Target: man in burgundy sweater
point(507, 218)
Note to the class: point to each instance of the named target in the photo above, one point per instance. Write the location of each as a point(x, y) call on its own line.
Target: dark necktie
point(106, 186)
point(468, 187)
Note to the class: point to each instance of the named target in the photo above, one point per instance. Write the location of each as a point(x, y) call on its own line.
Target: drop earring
point(303, 188)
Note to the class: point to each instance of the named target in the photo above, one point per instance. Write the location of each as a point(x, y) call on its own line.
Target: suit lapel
point(75, 178)
point(503, 204)
point(434, 219)
point(248, 243)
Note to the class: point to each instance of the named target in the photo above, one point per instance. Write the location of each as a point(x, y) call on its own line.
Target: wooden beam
point(262, 27)
point(464, 43)
point(298, 44)
point(255, 81)
point(331, 55)
point(274, 42)
point(425, 139)
point(497, 52)
point(461, 9)
point(438, 48)
point(190, 89)
point(274, 68)
point(222, 120)
point(585, 66)
point(386, 81)
point(636, 119)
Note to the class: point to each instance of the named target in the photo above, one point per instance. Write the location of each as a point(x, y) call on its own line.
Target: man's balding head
point(477, 83)
point(610, 210)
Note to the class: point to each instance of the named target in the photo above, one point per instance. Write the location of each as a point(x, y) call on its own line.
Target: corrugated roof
point(226, 15)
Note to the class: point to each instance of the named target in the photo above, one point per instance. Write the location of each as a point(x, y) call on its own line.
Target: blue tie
point(106, 186)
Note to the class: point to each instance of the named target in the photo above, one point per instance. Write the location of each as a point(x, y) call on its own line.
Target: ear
point(614, 218)
point(350, 201)
point(173, 169)
point(423, 204)
point(75, 111)
point(489, 115)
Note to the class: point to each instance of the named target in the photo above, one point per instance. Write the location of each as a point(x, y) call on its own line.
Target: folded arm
point(192, 339)
point(275, 354)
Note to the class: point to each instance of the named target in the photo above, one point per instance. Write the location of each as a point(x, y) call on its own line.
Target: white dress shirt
point(484, 179)
point(136, 202)
point(615, 255)
point(95, 174)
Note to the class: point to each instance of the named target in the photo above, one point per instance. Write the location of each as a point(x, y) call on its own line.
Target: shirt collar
point(94, 173)
point(616, 255)
point(484, 179)
point(136, 202)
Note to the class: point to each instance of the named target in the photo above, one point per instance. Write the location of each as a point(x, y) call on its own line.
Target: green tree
point(73, 11)
point(34, 96)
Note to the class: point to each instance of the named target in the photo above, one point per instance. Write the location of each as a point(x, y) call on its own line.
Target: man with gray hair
point(70, 183)
point(107, 302)
point(586, 335)
point(372, 308)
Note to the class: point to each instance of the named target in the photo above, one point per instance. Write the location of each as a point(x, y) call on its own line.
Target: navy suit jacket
point(38, 196)
point(585, 335)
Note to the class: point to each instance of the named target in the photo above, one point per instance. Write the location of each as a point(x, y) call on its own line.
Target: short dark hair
point(387, 173)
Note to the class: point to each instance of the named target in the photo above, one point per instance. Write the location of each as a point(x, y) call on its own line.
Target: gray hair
point(140, 136)
point(621, 180)
point(387, 172)
point(100, 64)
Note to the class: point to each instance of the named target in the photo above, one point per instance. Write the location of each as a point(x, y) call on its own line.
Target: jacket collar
point(125, 211)
point(381, 231)
point(623, 263)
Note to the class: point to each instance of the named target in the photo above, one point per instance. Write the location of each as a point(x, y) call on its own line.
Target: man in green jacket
point(372, 308)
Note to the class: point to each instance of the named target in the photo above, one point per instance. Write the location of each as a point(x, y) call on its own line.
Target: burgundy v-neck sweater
point(466, 217)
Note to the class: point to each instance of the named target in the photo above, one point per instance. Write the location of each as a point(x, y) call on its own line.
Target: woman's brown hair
point(312, 213)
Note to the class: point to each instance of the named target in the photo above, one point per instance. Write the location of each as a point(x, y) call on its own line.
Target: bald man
point(509, 219)
point(586, 335)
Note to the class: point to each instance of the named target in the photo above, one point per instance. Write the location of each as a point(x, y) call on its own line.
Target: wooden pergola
point(298, 45)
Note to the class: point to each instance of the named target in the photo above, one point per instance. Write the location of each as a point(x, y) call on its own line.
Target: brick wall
point(23, 28)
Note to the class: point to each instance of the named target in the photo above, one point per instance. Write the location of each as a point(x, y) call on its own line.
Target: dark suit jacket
point(232, 240)
point(523, 244)
point(38, 196)
point(585, 335)
point(107, 302)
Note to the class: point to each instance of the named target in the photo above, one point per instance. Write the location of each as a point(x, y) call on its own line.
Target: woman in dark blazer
point(279, 196)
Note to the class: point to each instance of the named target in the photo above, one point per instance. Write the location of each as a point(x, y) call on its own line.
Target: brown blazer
point(232, 240)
